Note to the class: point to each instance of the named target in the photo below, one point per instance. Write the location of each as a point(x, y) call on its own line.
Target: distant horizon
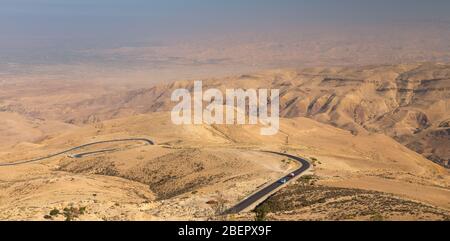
point(139, 19)
point(75, 31)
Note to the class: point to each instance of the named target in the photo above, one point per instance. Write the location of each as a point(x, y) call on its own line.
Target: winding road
point(150, 142)
point(249, 201)
point(261, 194)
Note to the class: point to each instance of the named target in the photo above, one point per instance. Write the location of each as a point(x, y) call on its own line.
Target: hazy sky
point(96, 18)
point(62, 24)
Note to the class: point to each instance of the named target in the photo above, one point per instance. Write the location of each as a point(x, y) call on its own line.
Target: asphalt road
point(236, 209)
point(267, 190)
point(80, 155)
point(150, 142)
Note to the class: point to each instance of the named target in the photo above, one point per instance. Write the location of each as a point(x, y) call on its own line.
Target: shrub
point(82, 210)
point(377, 217)
point(54, 212)
point(73, 213)
point(261, 212)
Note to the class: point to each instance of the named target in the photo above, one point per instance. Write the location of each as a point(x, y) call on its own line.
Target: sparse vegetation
point(72, 213)
point(219, 206)
point(377, 217)
point(307, 180)
point(286, 161)
point(54, 212)
point(329, 203)
point(261, 212)
point(314, 161)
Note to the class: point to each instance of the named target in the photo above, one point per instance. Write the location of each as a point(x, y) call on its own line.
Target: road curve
point(267, 190)
point(236, 209)
point(150, 142)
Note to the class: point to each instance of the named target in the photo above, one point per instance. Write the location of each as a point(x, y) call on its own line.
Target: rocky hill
point(410, 103)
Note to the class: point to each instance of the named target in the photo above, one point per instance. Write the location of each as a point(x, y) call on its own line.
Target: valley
point(377, 132)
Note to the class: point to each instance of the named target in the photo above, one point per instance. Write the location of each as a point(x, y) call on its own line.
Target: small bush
point(82, 210)
point(307, 177)
point(377, 217)
point(73, 213)
point(261, 212)
point(54, 212)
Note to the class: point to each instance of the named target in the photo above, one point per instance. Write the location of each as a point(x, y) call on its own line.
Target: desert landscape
point(373, 133)
point(85, 113)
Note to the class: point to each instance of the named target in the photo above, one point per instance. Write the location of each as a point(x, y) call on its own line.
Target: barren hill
point(192, 167)
point(367, 131)
point(407, 102)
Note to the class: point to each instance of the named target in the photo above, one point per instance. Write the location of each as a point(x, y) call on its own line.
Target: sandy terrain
point(136, 181)
point(366, 128)
point(195, 165)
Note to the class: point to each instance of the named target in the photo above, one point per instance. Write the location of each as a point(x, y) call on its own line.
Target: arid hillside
point(368, 131)
point(308, 201)
point(193, 169)
point(409, 103)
